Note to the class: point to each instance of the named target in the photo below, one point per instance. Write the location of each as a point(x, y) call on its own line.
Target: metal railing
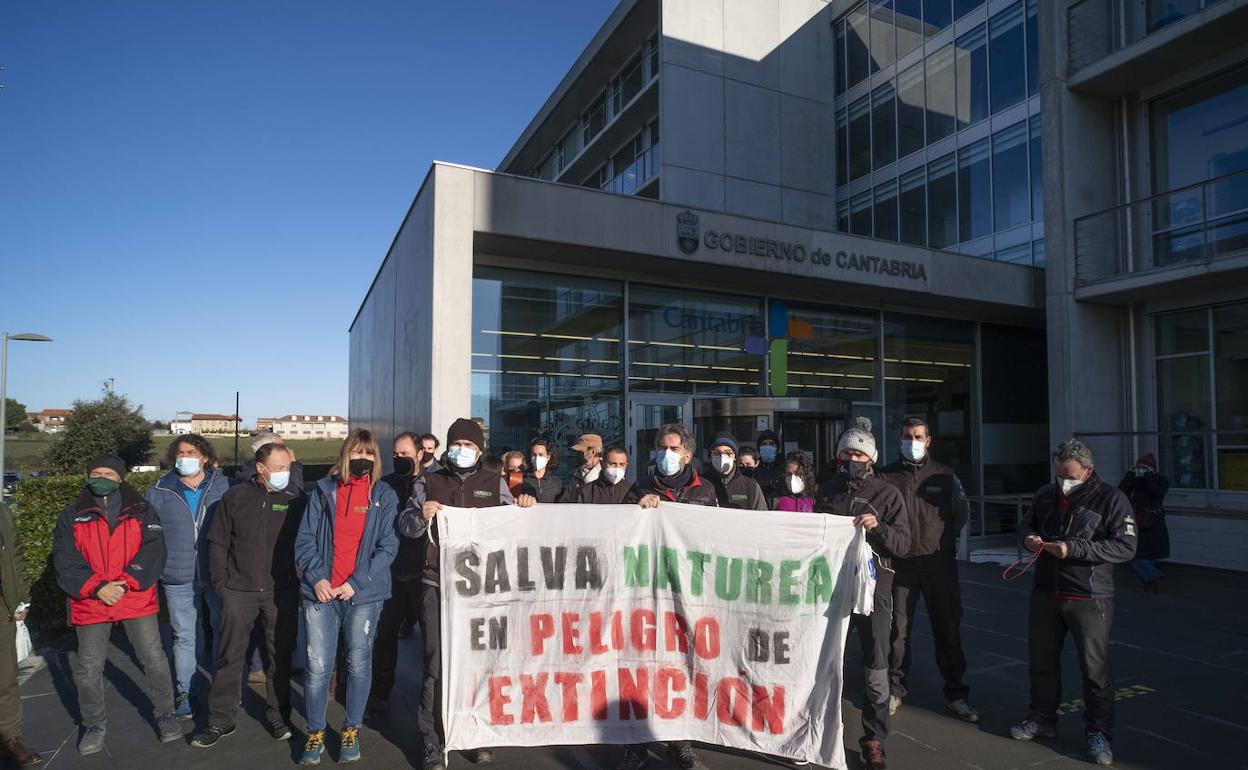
point(1198, 460)
point(635, 175)
point(994, 519)
point(1201, 223)
point(1097, 28)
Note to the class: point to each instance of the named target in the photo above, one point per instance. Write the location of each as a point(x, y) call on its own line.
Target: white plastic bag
point(23, 641)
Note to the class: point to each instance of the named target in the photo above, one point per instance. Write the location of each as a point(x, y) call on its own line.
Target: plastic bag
point(23, 641)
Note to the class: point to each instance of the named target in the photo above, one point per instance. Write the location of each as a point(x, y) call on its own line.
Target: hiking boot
point(894, 705)
point(873, 756)
point(963, 710)
point(168, 729)
point(208, 737)
point(1098, 749)
point(349, 748)
point(433, 759)
point(634, 758)
point(19, 755)
point(313, 748)
point(182, 707)
point(92, 740)
point(682, 754)
point(479, 756)
point(277, 728)
point(1030, 729)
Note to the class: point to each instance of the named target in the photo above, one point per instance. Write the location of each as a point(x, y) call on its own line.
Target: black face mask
point(855, 469)
point(404, 465)
point(427, 460)
point(747, 470)
point(360, 467)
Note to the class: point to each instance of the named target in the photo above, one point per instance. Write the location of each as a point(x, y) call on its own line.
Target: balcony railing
point(1097, 28)
point(635, 175)
point(1201, 223)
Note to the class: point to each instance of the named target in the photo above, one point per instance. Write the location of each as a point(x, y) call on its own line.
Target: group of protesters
point(254, 566)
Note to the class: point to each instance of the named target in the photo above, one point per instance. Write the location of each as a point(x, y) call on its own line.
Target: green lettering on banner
point(698, 561)
point(819, 581)
point(727, 586)
point(637, 566)
point(668, 576)
point(788, 581)
point(758, 586)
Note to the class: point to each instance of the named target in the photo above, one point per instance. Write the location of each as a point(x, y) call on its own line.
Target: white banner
point(610, 624)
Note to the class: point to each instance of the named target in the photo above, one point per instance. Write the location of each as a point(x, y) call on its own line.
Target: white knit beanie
point(859, 439)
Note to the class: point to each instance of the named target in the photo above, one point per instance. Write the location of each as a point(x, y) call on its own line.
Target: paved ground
point(1181, 661)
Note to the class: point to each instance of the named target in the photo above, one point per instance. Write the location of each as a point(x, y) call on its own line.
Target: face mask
point(614, 475)
point(748, 471)
point(428, 459)
point(1141, 471)
point(1069, 485)
point(360, 467)
point(462, 456)
point(913, 451)
point(722, 463)
point(855, 469)
point(404, 465)
point(187, 466)
point(767, 453)
point(278, 480)
point(102, 487)
point(539, 462)
point(669, 462)
point(796, 485)
point(593, 473)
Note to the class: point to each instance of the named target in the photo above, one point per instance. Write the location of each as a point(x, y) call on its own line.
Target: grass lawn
point(26, 453)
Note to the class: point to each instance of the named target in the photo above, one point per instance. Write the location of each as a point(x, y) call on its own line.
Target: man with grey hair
point(1079, 528)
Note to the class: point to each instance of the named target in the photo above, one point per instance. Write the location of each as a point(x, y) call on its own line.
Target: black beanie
point(767, 434)
point(112, 462)
point(465, 429)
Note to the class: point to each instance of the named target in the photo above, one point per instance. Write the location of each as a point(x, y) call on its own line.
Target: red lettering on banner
point(634, 695)
point(596, 645)
point(570, 631)
point(732, 701)
point(598, 694)
point(665, 681)
point(706, 638)
point(676, 631)
point(643, 631)
point(768, 712)
point(541, 628)
point(569, 683)
point(499, 701)
point(701, 701)
point(533, 699)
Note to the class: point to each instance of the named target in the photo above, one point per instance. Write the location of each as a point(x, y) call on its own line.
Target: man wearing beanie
point(460, 483)
point(770, 470)
point(109, 551)
point(879, 509)
point(733, 489)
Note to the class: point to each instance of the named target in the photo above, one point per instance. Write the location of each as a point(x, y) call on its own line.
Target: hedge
point(36, 505)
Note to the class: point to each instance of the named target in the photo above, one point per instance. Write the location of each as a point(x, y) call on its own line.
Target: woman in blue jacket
point(346, 542)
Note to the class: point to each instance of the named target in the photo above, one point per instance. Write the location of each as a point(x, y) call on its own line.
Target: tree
point(14, 415)
point(108, 424)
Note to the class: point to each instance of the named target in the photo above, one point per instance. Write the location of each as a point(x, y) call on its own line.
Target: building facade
point(50, 420)
point(784, 214)
point(306, 426)
point(207, 424)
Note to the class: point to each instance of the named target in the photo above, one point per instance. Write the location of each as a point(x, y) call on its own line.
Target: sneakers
point(1099, 752)
point(277, 728)
point(873, 756)
point(1030, 729)
point(682, 753)
point(963, 710)
point(349, 749)
point(182, 707)
point(894, 705)
point(208, 737)
point(313, 748)
point(20, 756)
point(168, 729)
point(433, 759)
point(479, 756)
point(634, 758)
point(92, 740)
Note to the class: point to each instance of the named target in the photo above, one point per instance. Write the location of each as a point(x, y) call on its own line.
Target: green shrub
point(36, 505)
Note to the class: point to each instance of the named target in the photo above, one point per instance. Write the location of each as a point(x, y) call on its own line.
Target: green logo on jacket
point(739, 498)
point(280, 507)
point(482, 493)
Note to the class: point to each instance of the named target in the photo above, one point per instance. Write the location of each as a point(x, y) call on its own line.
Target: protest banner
point(611, 624)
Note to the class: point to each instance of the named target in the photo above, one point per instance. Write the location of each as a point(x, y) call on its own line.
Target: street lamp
point(4, 383)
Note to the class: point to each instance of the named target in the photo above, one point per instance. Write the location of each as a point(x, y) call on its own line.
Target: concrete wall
point(746, 111)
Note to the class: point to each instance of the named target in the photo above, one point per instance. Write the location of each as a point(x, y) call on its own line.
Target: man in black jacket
point(247, 471)
point(1079, 528)
point(733, 489)
point(251, 563)
point(769, 472)
point(589, 446)
point(611, 488)
point(937, 506)
point(14, 601)
point(878, 508)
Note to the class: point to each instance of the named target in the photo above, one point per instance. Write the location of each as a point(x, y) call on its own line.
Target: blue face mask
point(187, 466)
point(461, 456)
point(669, 462)
point(767, 453)
point(278, 480)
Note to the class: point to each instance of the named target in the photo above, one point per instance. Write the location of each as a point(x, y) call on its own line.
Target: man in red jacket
point(109, 551)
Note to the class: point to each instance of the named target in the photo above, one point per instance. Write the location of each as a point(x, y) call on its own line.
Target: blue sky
point(194, 196)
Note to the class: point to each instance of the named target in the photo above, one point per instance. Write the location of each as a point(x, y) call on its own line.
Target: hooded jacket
point(251, 542)
point(90, 548)
point(314, 544)
point(843, 496)
point(14, 590)
point(938, 510)
point(188, 562)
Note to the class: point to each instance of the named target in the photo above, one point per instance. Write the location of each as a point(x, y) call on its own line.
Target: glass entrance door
point(646, 414)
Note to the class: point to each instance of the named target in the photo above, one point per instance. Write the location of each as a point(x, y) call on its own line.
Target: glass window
point(838, 54)
point(883, 126)
point(886, 211)
point(1011, 198)
point(1163, 12)
point(963, 7)
point(1183, 417)
point(860, 137)
point(972, 78)
point(941, 99)
point(842, 216)
point(627, 85)
point(860, 214)
point(858, 40)
point(1033, 50)
point(942, 202)
point(593, 120)
point(654, 56)
point(1006, 80)
point(1037, 252)
point(832, 353)
point(883, 46)
point(842, 146)
point(937, 14)
point(545, 357)
point(681, 341)
point(1037, 169)
point(913, 207)
point(974, 191)
point(1200, 133)
point(910, 111)
point(1014, 433)
point(1020, 254)
point(1230, 339)
point(569, 146)
point(549, 167)
point(1185, 332)
point(909, 16)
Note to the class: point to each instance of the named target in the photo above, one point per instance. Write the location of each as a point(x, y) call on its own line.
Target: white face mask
point(669, 462)
point(462, 456)
point(614, 475)
point(912, 450)
point(722, 463)
point(593, 473)
point(1069, 485)
point(539, 462)
point(796, 485)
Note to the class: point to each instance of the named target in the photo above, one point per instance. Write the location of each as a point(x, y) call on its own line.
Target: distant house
point(50, 420)
point(179, 427)
point(213, 423)
point(305, 426)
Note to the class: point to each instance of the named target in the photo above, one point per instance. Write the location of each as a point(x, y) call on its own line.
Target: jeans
point(874, 634)
point(943, 596)
point(1146, 570)
point(358, 625)
point(88, 666)
point(1088, 622)
point(276, 611)
point(190, 647)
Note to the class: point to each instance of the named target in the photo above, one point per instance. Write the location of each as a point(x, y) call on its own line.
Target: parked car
point(11, 480)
